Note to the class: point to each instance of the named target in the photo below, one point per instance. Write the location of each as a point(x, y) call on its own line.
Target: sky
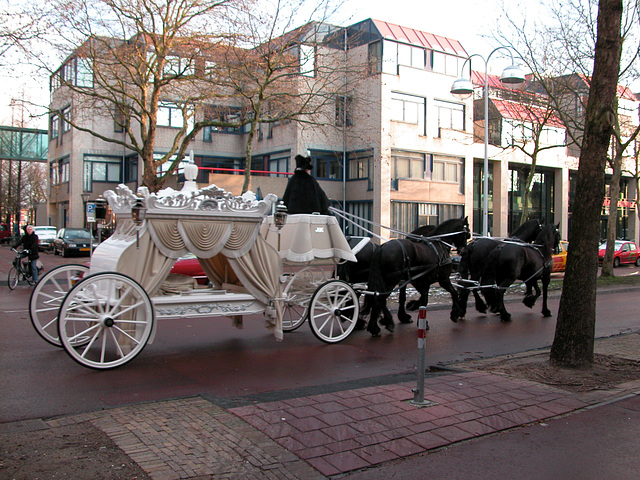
point(466, 24)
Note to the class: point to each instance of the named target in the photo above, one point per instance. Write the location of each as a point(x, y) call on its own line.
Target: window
point(210, 164)
point(406, 165)
point(222, 114)
point(359, 164)
point(407, 216)
point(327, 165)
point(131, 169)
point(101, 169)
point(63, 171)
point(343, 111)
point(177, 66)
point(308, 60)
point(278, 163)
point(360, 224)
point(408, 109)
point(84, 73)
point(119, 119)
point(450, 115)
point(375, 58)
point(411, 56)
point(65, 115)
point(446, 169)
point(172, 115)
point(54, 126)
point(447, 64)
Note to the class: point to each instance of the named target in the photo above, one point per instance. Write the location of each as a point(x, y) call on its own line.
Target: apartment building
point(398, 149)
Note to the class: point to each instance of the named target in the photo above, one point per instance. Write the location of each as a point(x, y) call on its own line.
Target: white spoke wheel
point(47, 297)
point(12, 278)
point(333, 311)
point(297, 293)
point(116, 315)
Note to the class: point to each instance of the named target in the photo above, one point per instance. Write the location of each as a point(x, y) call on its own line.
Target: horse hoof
point(505, 319)
point(481, 309)
point(405, 320)
point(389, 327)
point(375, 334)
point(547, 314)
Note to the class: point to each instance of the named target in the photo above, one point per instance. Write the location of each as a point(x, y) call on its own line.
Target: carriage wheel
point(333, 311)
point(47, 297)
point(114, 312)
point(297, 293)
point(12, 279)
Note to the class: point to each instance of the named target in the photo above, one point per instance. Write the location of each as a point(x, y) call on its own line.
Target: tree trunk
point(575, 329)
point(612, 219)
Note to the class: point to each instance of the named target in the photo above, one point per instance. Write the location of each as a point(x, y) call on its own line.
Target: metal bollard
point(418, 392)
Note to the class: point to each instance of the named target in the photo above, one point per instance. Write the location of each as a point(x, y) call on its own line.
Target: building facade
point(397, 152)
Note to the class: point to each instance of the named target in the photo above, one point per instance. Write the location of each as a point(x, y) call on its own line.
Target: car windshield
point(618, 244)
point(76, 234)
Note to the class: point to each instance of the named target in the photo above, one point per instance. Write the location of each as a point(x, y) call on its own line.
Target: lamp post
point(463, 88)
point(85, 200)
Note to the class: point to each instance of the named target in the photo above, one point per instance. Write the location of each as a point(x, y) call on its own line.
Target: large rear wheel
point(47, 297)
point(333, 311)
point(114, 312)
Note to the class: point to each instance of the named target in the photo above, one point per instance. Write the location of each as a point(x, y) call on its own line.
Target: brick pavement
point(329, 434)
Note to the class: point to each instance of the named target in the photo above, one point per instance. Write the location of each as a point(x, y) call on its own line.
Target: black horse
point(474, 256)
point(358, 272)
point(510, 262)
point(419, 262)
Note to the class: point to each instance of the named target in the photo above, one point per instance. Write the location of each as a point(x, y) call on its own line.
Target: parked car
point(5, 233)
point(73, 241)
point(189, 265)
point(626, 252)
point(560, 258)
point(46, 236)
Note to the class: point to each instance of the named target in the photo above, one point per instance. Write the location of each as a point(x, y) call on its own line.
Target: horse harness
point(407, 269)
point(545, 264)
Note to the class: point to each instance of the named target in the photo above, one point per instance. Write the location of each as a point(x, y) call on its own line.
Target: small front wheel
point(333, 311)
point(13, 278)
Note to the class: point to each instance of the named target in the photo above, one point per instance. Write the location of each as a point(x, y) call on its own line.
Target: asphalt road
point(214, 359)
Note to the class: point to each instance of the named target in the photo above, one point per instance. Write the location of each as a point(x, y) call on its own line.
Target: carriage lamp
point(280, 215)
point(138, 212)
point(280, 218)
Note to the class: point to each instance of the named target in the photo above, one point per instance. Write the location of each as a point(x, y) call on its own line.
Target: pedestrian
point(303, 193)
point(29, 241)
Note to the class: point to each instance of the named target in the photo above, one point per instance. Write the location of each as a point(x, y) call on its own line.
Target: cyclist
point(29, 241)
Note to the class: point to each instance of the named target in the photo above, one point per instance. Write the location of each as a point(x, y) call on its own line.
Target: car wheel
point(638, 262)
point(616, 262)
point(64, 252)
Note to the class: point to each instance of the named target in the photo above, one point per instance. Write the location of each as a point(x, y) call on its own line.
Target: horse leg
point(366, 310)
point(481, 306)
point(545, 288)
point(387, 319)
point(372, 326)
point(529, 299)
point(455, 308)
point(403, 316)
point(499, 297)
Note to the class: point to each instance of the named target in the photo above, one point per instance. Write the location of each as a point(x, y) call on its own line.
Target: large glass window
point(54, 126)
point(375, 57)
point(172, 115)
point(65, 117)
point(446, 169)
point(327, 165)
point(407, 216)
point(279, 162)
point(541, 195)
point(343, 111)
point(360, 224)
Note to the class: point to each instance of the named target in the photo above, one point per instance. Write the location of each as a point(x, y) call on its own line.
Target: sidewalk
point(376, 432)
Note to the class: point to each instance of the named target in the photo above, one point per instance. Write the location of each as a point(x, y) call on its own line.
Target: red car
point(626, 252)
point(189, 265)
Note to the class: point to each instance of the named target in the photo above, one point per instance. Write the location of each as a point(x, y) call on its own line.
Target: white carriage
point(103, 316)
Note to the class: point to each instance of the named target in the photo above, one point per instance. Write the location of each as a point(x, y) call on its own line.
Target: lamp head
point(138, 212)
point(513, 76)
point(280, 215)
point(462, 88)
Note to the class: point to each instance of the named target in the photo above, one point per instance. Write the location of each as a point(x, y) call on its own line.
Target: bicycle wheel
point(13, 278)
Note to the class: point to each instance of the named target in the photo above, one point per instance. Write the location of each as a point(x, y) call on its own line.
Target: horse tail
point(489, 275)
point(376, 279)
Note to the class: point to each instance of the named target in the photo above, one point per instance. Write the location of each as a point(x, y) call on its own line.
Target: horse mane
point(448, 226)
point(526, 226)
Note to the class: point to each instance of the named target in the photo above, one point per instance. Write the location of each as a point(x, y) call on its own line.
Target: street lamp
point(85, 200)
point(463, 88)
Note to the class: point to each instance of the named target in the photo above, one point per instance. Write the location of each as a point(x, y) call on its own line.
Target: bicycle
point(20, 269)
